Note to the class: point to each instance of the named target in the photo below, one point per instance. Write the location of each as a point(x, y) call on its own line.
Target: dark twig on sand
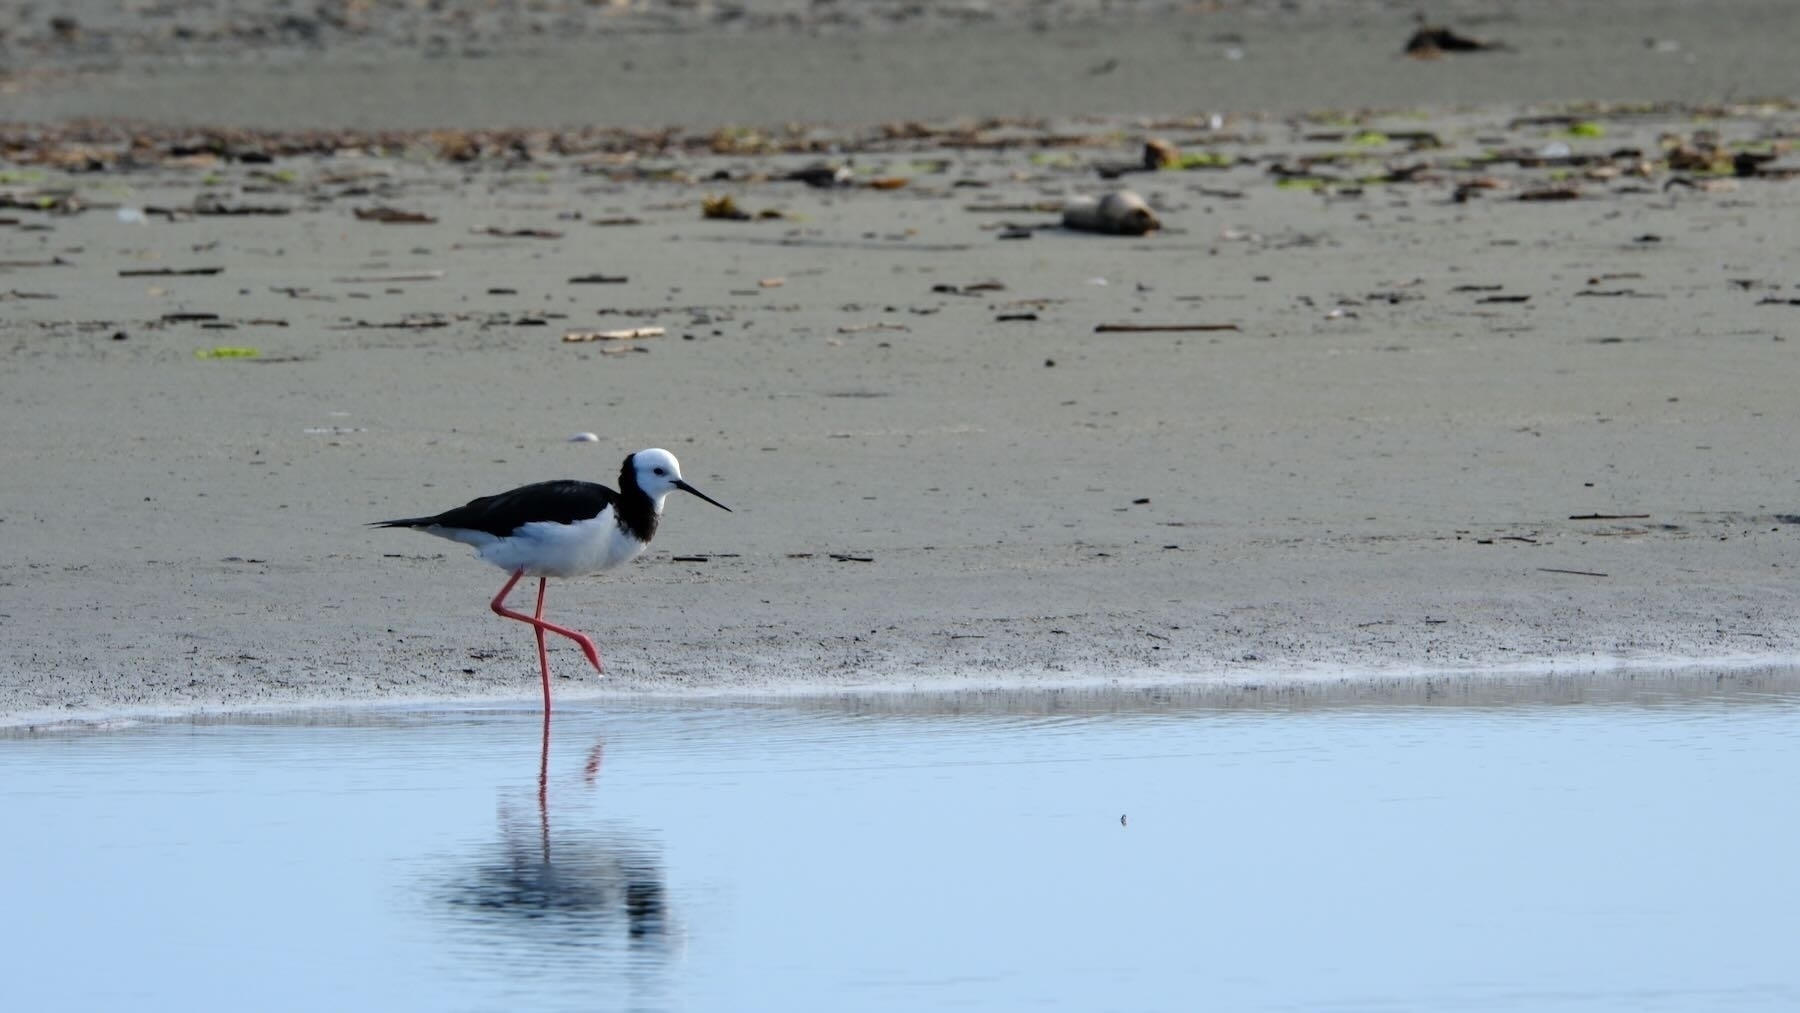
point(1156, 328)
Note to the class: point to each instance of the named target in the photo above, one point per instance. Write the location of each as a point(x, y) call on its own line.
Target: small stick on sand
point(385, 279)
point(165, 272)
point(1155, 328)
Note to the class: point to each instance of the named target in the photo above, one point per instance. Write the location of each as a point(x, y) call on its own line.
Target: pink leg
point(543, 656)
point(542, 625)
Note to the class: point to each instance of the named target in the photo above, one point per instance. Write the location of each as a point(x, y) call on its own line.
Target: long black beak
point(684, 487)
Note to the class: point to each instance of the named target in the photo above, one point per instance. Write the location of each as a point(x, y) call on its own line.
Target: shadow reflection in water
point(594, 893)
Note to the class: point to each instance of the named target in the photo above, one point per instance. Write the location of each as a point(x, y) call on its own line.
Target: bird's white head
point(657, 473)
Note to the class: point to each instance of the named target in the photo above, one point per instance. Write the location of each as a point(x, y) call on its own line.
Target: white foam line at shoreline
point(1195, 688)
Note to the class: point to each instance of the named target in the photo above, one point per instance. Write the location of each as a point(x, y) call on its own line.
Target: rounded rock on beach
point(1121, 213)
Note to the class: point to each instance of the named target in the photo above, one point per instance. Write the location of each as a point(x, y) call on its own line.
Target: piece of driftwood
point(522, 233)
point(209, 204)
point(1551, 193)
point(385, 279)
point(407, 324)
point(162, 272)
point(393, 216)
point(628, 334)
point(1158, 328)
point(52, 262)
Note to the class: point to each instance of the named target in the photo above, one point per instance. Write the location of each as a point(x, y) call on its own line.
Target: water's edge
point(1646, 682)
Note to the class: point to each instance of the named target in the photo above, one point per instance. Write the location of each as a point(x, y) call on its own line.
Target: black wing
point(561, 502)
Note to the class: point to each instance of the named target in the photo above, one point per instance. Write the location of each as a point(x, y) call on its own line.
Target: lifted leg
point(540, 626)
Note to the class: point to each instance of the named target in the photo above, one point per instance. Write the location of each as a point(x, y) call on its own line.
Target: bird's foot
point(592, 652)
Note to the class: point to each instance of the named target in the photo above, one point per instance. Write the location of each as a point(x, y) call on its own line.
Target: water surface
point(1491, 845)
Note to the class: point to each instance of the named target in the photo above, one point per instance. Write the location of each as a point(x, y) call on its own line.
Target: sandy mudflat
point(1439, 435)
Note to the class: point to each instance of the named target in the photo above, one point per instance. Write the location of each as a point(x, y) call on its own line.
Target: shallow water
point(1624, 846)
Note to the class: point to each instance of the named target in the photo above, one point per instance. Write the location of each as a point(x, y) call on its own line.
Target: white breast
point(548, 549)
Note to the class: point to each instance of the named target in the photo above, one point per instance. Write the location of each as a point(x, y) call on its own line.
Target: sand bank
point(1435, 435)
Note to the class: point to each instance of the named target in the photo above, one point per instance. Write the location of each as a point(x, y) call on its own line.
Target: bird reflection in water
point(582, 890)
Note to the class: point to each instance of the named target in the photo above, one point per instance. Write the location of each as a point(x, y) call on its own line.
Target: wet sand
point(1437, 435)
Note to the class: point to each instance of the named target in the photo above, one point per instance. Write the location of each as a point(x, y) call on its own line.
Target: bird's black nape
point(628, 482)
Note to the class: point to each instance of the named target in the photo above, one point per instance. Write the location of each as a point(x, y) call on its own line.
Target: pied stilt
point(562, 529)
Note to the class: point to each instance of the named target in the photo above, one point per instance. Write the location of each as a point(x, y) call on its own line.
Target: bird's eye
point(662, 471)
